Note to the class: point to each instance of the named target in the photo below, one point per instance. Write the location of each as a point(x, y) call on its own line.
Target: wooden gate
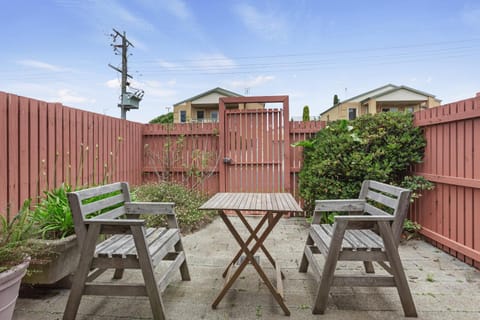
point(255, 146)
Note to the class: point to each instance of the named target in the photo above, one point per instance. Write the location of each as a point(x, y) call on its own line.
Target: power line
point(322, 53)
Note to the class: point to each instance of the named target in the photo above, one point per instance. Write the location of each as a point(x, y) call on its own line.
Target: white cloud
point(124, 15)
point(253, 82)
point(151, 88)
point(167, 65)
point(213, 62)
point(41, 65)
point(113, 84)
point(178, 8)
point(66, 96)
point(156, 89)
point(268, 25)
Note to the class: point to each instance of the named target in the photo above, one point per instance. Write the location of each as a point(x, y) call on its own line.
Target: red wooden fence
point(44, 144)
point(190, 153)
point(183, 153)
point(450, 214)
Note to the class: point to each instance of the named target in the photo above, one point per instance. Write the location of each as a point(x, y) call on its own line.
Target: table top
point(275, 202)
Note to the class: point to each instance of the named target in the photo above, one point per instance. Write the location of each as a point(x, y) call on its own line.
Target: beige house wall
point(183, 107)
point(341, 111)
point(432, 102)
point(373, 106)
point(207, 109)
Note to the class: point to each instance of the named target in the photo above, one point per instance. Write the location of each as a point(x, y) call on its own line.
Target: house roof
point(217, 90)
point(396, 89)
point(379, 92)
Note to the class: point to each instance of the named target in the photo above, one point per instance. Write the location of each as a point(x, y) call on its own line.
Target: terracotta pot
point(9, 286)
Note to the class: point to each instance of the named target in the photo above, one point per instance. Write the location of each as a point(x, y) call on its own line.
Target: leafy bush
point(52, 214)
point(378, 147)
point(164, 118)
point(14, 236)
point(186, 202)
point(411, 229)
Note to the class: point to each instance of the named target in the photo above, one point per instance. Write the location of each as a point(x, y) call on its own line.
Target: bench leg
point(81, 274)
point(397, 270)
point(304, 262)
point(184, 273)
point(326, 281)
point(151, 285)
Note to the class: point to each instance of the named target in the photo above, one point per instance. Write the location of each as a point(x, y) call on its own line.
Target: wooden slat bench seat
point(369, 233)
point(107, 210)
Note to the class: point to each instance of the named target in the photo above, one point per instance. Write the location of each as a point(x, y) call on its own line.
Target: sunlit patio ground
point(442, 286)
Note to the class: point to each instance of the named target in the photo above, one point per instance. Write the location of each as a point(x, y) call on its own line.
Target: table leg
point(249, 239)
point(249, 258)
point(253, 234)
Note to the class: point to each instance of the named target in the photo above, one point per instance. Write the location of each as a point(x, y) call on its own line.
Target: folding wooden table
point(274, 205)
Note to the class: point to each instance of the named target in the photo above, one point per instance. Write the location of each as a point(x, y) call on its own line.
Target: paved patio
point(442, 287)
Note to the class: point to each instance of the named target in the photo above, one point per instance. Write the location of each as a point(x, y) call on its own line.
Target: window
point(183, 116)
point(352, 113)
point(385, 109)
point(409, 109)
point(200, 115)
point(214, 115)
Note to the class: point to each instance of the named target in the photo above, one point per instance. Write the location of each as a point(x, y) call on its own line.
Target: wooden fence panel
point(12, 155)
point(300, 131)
point(183, 153)
point(449, 214)
point(45, 144)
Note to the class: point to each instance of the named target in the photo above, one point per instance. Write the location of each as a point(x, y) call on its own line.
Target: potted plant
point(59, 254)
point(15, 252)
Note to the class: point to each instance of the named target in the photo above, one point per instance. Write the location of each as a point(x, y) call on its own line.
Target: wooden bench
point(369, 233)
point(107, 210)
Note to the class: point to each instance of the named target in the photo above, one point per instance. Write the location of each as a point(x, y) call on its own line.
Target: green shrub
point(378, 147)
point(52, 214)
point(164, 118)
point(186, 202)
point(14, 236)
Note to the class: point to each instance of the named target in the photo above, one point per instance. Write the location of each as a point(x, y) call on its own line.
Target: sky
point(310, 50)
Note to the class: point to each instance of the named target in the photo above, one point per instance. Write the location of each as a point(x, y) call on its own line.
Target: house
point(204, 106)
point(387, 98)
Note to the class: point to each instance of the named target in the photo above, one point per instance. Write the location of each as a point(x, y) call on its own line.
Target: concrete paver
point(442, 287)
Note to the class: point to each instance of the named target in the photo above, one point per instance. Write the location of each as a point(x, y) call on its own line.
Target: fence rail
point(449, 214)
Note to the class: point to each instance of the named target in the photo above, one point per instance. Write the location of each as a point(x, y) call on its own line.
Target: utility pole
point(129, 100)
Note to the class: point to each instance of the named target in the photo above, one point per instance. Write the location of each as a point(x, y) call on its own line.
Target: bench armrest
point(154, 208)
point(150, 208)
point(339, 205)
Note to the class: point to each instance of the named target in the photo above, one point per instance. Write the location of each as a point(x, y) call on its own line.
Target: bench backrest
point(102, 202)
point(385, 199)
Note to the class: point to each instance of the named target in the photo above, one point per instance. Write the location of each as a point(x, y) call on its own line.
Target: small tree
point(306, 114)
point(335, 100)
point(164, 118)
